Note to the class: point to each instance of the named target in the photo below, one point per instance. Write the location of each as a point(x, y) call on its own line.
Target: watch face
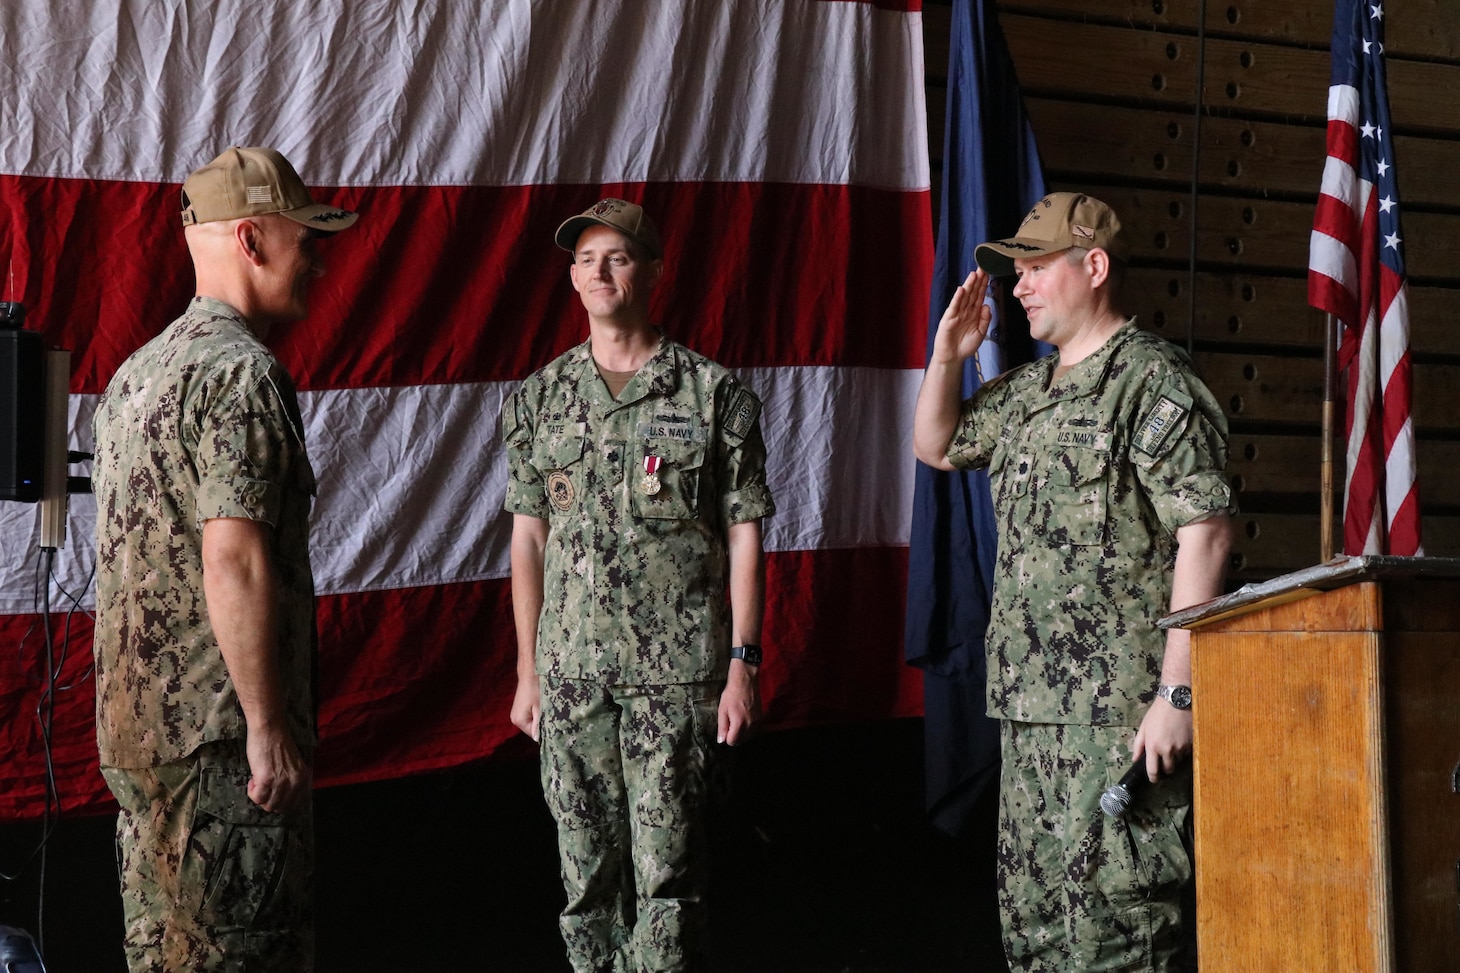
point(1180, 697)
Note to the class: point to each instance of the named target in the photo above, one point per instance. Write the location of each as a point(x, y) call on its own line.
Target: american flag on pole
point(1356, 273)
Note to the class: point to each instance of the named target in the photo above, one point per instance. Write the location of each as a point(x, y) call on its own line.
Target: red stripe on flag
point(1334, 218)
point(1342, 140)
point(464, 284)
point(1404, 529)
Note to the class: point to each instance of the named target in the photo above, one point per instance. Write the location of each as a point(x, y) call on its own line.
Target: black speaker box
point(22, 414)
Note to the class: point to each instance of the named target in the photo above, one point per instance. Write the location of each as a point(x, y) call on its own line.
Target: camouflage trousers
point(624, 771)
point(1078, 889)
point(211, 881)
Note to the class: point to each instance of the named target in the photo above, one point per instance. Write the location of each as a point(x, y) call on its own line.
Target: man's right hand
point(527, 706)
point(960, 332)
point(966, 321)
point(279, 777)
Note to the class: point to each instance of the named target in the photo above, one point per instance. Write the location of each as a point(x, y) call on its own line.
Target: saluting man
point(637, 487)
point(1106, 464)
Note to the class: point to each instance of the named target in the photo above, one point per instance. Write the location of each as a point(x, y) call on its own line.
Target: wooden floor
point(823, 863)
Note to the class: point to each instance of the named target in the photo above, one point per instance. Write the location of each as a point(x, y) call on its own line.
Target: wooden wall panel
point(1236, 153)
point(1095, 60)
point(1274, 389)
point(1422, 29)
point(1111, 89)
point(1268, 544)
point(1240, 308)
point(1275, 464)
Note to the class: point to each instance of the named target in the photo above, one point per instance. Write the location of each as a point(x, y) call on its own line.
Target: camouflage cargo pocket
point(236, 851)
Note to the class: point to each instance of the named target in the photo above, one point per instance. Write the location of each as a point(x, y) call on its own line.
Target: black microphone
point(1117, 800)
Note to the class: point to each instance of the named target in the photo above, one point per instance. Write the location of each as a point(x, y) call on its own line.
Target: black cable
point(49, 685)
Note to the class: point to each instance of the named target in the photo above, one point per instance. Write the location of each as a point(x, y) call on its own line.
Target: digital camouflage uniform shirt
point(200, 422)
point(634, 580)
point(1090, 479)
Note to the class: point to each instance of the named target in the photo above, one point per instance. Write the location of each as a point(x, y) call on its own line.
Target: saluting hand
point(965, 323)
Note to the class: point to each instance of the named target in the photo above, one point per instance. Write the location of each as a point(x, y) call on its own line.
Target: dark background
point(823, 862)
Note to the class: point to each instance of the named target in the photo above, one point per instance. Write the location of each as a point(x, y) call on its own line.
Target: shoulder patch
point(1166, 417)
point(742, 408)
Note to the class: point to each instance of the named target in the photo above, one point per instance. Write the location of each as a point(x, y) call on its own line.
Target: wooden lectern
point(1327, 716)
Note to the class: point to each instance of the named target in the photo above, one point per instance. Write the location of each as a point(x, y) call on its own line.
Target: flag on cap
point(1356, 274)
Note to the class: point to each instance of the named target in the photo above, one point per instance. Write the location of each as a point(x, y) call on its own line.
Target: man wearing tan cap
point(1105, 462)
point(637, 487)
point(205, 638)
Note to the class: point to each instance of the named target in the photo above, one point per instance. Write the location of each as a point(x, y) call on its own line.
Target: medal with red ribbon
point(650, 483)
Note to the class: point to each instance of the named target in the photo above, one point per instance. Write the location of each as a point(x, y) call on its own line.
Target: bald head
point(260, 265)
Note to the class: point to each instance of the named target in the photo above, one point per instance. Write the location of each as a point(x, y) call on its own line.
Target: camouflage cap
point(616, 214)
point(255, 182)
point(1057, 222)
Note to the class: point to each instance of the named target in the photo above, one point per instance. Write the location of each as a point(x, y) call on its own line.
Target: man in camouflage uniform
point(205, 639)
point(1106, 465)
point(637, 485)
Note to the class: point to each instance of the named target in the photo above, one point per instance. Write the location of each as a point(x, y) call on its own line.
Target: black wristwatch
point(1178, 696)
point(749, 654)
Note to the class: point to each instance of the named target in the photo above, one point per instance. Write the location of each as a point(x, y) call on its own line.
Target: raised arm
point(962, 329)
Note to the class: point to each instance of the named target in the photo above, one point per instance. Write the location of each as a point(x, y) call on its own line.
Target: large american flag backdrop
point(1356, 273)
point(781, 145)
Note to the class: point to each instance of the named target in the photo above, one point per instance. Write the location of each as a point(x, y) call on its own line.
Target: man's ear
point(1097, 265)
point(249, 237)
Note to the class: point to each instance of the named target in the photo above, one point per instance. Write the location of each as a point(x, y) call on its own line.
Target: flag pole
point(1325, 464)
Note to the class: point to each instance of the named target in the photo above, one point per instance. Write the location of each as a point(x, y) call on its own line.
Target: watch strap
point(749, 653)
point(1178, 696)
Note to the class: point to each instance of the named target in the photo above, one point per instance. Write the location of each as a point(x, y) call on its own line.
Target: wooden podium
point(1327, 716)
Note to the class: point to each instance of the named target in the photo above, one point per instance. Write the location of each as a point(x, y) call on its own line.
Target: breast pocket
point(670, 487)
point(1077, 495)
point(560, 461)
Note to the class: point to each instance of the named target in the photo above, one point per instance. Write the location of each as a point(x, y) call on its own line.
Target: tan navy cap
point(255, 182)
point(1057, 222)
point(617, 214)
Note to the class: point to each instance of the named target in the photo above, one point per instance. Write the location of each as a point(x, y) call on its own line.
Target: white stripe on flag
point(1330, 257)
point(412, 478)
point(409, 88)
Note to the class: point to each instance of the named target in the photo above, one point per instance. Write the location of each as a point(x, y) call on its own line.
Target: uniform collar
point(1089, 373)
point(657, 376)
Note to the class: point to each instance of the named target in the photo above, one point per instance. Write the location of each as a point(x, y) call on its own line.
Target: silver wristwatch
point(1178, 696)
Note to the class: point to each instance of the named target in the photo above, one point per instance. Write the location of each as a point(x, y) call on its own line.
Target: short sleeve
point(980, 420)
point(525, 490)
point(1179, 449)
point(249, 443)
point(744, 493)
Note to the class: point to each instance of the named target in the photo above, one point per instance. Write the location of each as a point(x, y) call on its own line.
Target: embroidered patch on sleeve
point(741, 412)
point(1165, 418)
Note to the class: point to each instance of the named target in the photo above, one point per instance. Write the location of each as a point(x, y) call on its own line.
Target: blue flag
point(991, 178)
